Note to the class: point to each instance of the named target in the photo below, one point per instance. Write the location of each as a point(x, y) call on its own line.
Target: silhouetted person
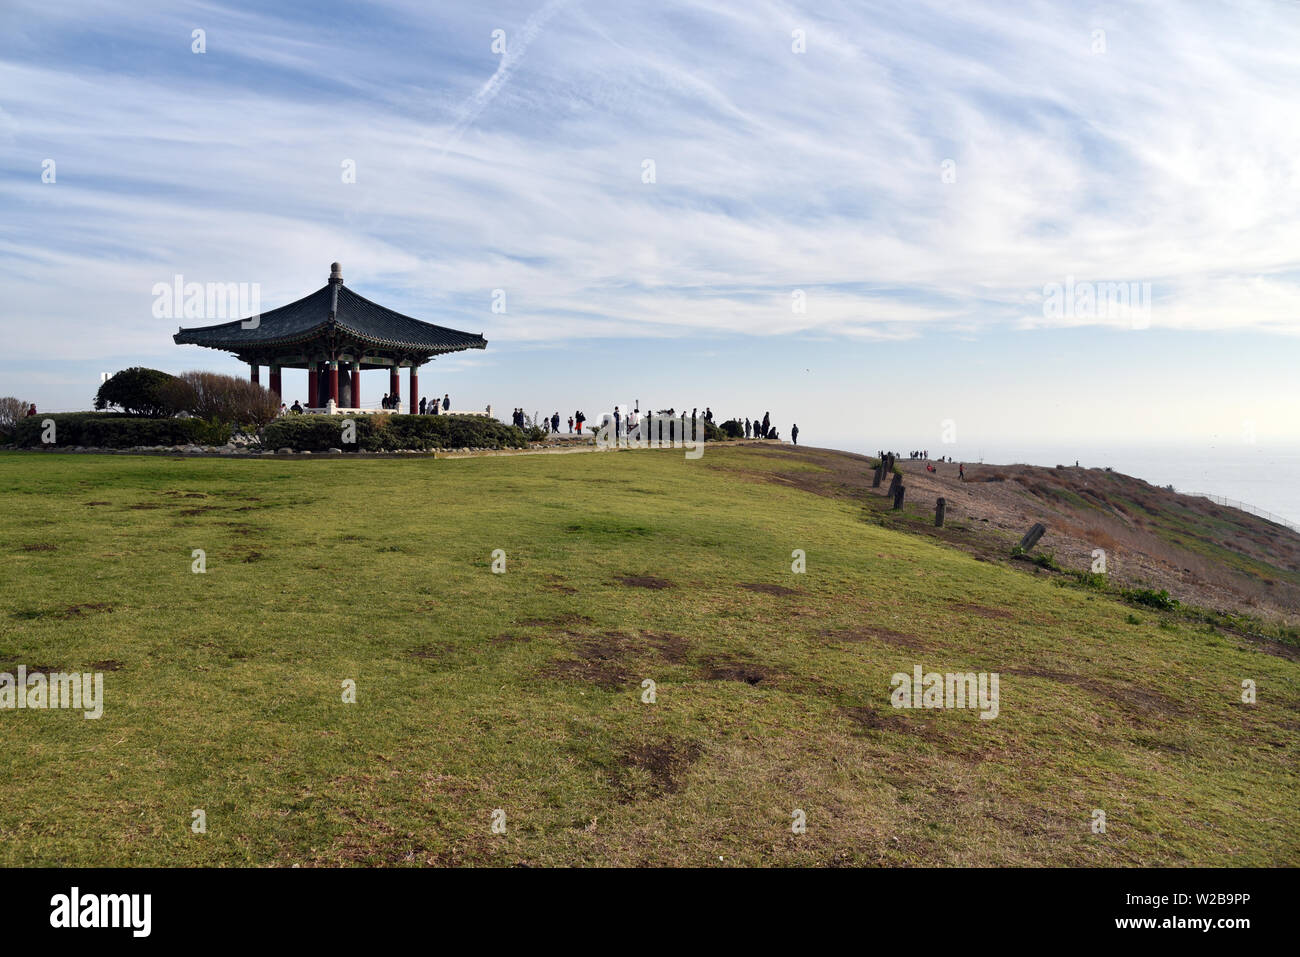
point(794, 434)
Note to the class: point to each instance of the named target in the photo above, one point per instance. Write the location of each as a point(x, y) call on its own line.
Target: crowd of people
point(625, 421)
point(427, 406)
point(548, 424)
point(924, 455)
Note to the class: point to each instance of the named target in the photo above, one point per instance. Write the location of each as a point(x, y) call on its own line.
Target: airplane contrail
point(516, 47)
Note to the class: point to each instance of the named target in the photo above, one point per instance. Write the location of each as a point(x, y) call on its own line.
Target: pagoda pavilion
point(333, 331)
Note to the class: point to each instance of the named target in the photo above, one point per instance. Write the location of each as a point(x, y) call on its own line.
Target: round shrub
point(136, 391)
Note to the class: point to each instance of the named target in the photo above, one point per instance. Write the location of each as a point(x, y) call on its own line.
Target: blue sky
point(922, 172)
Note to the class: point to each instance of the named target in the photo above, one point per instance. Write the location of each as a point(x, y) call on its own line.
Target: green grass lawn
point(522, 691)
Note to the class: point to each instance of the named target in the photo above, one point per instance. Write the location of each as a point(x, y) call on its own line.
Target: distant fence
point(1244, 507)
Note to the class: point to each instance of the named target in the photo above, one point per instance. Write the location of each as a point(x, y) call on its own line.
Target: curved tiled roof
point(310, 317)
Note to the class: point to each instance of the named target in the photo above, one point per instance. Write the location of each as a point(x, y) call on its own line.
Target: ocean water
point(1266, 477)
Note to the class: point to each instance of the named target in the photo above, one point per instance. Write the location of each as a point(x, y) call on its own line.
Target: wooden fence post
point(940, 506)
point(898, 496)
point(1036, 531)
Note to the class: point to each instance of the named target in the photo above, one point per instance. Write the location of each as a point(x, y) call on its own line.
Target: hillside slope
point(522, 691)
point(1203, 553)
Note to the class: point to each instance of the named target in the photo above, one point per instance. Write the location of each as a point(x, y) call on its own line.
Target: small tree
point(137, 391)
point(223, 398)
point(12, 411)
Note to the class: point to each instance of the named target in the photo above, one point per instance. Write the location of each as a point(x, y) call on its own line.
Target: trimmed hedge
point(389, 433)
point(116, 430)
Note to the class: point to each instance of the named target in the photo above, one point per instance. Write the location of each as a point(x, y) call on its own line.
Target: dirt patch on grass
point(651, 769)
point(556, 583)
point(191, 512)
point(1272, 646)
point(110, 664)
point(1131, 698)
point(868, 718)
point(11, 667)
point(40, 547)
point(768, 589)
point(734, 669)
point(88, 608)
point(873, 633)
point(613, 659)
point(142, 506)
point(671, 648)
point(64, 614)
point(599, 662)
point(89, 504)
point(644, 581)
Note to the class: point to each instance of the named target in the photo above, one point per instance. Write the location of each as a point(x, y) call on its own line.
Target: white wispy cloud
point(1171, 158)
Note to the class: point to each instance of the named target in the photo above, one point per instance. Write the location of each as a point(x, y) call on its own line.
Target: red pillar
point(275, 380)
point(313, 396)
point(415, 389)
point(253, 376)
point(356, 385)
point(334, 382)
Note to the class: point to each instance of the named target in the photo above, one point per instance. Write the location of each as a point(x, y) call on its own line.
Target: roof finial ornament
point(336, 273)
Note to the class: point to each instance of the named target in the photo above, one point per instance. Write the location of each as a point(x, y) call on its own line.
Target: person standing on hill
point(961, 472)
point(794, 434)
point(767, 424)
point(570, 425)
point(747, 435)
point(446, 401)
point(579, 418)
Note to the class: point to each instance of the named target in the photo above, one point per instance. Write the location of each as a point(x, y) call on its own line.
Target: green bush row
point(1159, 600)
point(387, 433)
point(114, 430)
